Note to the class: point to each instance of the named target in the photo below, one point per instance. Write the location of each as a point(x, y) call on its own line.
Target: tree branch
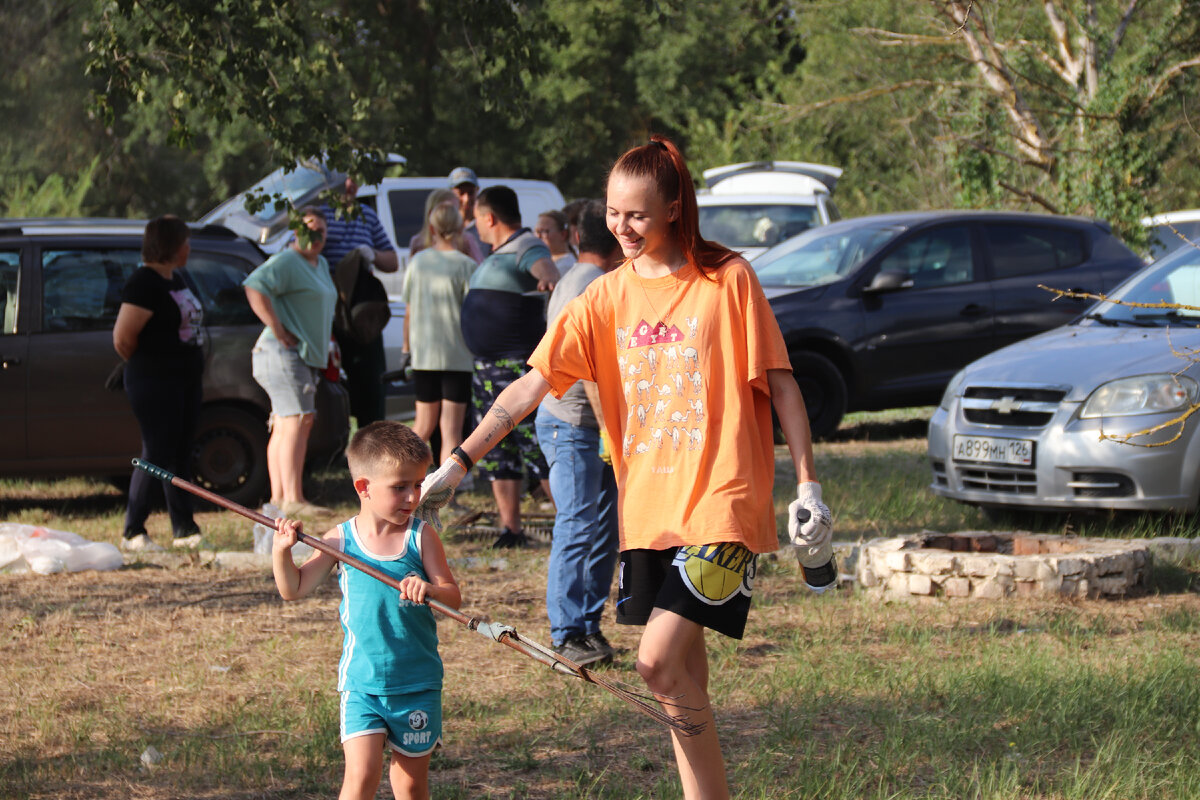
point(1029, 195)
point(1119, 34)
point(1172, 72)
point(796, 112)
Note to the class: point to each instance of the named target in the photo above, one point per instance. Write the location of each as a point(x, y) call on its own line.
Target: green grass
point(838, 696)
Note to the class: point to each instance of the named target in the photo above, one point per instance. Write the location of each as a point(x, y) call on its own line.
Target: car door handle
point(973, 310)
point(5, 363)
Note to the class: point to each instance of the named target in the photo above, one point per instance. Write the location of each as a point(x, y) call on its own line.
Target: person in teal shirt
point(390, 673)
point(294, 296)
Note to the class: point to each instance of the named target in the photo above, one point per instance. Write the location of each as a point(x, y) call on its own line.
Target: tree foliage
point(1065, 105)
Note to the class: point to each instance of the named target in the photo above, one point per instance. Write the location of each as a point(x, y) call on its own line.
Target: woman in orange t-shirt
point(688, 360)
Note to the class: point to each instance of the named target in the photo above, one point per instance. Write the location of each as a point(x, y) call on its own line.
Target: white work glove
point(367, 251)
point(437, 490)
point(810, 528)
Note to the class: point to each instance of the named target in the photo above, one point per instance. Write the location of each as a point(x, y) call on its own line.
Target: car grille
point(1101, 484)
point(1007, 406)
point(1001, 480)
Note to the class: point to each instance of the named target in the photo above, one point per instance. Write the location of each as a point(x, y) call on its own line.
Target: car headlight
point(1144, 394)
point(952, 389)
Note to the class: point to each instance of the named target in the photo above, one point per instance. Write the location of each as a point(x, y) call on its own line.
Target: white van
point(400, 203)
point(753, 206)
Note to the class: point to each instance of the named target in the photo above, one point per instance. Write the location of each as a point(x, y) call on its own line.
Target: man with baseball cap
point(465, 186)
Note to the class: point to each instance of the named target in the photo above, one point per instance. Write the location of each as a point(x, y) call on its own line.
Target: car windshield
point(293, 185)
point(764, 225)
point(822, 255)
point(1165, 293)
point(1169, 237)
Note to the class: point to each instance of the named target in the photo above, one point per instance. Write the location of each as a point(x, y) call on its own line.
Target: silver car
point(1088, 415)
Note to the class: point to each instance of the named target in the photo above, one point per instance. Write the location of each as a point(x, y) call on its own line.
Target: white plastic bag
point(264, 537)
point(47, 551)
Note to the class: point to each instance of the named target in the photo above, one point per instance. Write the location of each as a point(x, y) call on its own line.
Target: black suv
point(881, 311)
point(60, 285)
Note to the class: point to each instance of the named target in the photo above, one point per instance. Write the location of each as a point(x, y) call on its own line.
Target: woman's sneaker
point(193, 541)
point(581, 651)
point(141, 544)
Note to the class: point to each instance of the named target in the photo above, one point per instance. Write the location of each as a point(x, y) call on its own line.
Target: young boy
point(390, 673)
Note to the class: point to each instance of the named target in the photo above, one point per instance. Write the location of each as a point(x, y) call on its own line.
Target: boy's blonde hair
point(385, 444)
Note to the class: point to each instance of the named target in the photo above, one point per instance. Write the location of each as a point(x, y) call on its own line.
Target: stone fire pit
point(992, 565)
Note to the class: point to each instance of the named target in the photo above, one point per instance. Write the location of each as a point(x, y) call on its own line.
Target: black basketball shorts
point(709, 584)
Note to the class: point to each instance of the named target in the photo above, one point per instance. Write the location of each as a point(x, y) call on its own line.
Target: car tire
point(824, 392)
point(230, 454)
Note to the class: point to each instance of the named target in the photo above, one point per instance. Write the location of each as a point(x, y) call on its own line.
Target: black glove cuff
point(462, 456)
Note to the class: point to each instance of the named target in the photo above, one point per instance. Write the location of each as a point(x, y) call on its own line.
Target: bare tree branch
point(1171, 73)
point(981, 44)
point(796, 112)
point(1119, 34)
point(1030, 195)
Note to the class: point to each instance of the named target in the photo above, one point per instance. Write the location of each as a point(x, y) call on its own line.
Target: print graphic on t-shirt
point(191, 313)
point(663, 387)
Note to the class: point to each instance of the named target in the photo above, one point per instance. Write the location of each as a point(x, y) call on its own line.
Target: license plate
point(990, 450)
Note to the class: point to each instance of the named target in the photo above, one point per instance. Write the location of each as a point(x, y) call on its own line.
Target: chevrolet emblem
point(1006, 405)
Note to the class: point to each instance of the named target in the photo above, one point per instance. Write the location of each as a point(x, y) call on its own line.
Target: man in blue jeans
point(584, 548)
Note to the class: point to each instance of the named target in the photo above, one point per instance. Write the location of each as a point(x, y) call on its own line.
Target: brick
point(1026, 546)
point(983, 544)
point(898, 561)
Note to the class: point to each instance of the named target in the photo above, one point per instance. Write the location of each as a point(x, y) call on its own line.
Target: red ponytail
point(661, 162)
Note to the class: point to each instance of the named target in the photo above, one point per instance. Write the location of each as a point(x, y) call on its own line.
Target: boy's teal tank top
point(389, 645)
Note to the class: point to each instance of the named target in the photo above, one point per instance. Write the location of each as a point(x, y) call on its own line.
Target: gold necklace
point(663, 319)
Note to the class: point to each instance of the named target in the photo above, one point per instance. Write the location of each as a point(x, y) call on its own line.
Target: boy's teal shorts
point(412, 722)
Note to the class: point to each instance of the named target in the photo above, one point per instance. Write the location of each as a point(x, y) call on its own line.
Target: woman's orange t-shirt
point(681, 364)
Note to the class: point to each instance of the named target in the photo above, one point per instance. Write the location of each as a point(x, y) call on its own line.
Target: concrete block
point(1070, 566)
point(980, 566)
point(956, 587)
point(934, 563)
point(899, 561)
point(920, 584)
point(989, 589)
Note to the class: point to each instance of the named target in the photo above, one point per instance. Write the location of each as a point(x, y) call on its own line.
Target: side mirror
point(889, 280)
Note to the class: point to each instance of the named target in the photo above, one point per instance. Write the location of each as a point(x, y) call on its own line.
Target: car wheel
point(230, 454)
point(824, 392)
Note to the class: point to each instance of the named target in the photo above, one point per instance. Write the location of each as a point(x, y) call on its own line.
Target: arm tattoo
point(502, 426)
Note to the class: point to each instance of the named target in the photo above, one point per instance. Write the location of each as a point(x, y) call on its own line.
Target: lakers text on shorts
point(412, 722)
point(709, 584)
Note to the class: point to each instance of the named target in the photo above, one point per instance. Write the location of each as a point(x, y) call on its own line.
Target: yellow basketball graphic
point(714, 572)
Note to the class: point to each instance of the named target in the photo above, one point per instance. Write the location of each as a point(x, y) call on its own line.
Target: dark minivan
point(60, 285)
point(881, 311)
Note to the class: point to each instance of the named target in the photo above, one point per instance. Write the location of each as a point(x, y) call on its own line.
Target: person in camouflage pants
point(518, 455)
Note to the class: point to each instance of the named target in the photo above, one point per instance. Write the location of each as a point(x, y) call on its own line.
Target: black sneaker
point(580, 650)
point(598, 642)
point(508, 540)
